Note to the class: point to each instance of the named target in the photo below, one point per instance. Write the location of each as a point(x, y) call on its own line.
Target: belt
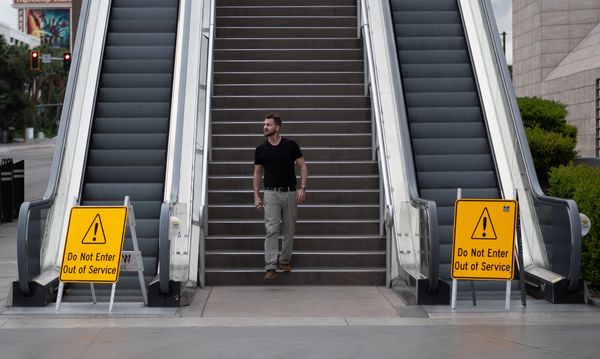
point(281, 189)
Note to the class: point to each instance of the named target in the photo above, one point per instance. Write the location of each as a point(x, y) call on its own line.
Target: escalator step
point(426, 17)
point(131, 125)
point(418, 30)
point(139, 66)
point(134, 95)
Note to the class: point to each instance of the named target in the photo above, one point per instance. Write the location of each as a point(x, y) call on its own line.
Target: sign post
point(94, 246)
point(483, 242)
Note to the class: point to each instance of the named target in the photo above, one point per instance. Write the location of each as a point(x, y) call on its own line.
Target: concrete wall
point(579, 93)
point(545, 33)
point(527, 47)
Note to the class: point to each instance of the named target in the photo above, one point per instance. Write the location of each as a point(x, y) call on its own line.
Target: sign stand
point(133, 263)
point(468, 264)
point(454, 281)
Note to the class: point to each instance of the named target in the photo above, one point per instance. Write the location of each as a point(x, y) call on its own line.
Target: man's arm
point(301, 194)
point(258, 171)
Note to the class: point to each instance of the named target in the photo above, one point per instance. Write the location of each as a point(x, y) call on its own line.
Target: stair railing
point(562, 215)
point(205, 149)
point(429, 249)
point(379, 143)
point(34, 215)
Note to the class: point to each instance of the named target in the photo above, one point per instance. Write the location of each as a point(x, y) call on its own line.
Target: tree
point(551, 139)
point(24, 94)
point(15, 86)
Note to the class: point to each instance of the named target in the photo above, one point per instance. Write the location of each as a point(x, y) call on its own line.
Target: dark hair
point(275, 118)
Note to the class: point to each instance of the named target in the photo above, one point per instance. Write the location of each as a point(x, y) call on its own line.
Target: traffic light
point(67, 61)
point(34, 60)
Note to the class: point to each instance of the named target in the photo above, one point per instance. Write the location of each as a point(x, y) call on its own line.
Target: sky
point(502, 9)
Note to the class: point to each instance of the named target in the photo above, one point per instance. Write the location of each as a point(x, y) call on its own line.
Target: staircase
point(128, 145)
point(448, 132)
point(303, 61)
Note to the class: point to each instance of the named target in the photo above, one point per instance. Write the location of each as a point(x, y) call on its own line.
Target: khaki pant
point(280, 214)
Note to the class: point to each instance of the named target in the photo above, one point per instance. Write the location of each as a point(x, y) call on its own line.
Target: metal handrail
point(174, 167)
point(57, 160)
point(376, 104)
point(207, 124)
point(431, 238)
point(517, 122)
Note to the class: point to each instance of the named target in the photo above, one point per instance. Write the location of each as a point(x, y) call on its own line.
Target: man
point(276, 158)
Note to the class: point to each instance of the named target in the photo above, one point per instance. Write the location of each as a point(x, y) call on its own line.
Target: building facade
point(16, 37)
point(49, 20)
point(556, 55)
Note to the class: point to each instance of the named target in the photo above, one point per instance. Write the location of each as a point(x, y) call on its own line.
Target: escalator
point(461, 129)
point(128, 144)
point(449, 137)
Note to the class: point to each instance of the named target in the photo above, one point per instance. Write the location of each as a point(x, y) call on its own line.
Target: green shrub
point(549, 149)
point(582, 183)
point(545, 114)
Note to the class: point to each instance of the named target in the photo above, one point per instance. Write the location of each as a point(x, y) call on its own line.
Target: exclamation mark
point(96, 230)
point(484, 225)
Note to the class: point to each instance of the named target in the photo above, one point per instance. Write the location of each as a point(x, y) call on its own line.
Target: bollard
point(6, 187)
point(18, 186)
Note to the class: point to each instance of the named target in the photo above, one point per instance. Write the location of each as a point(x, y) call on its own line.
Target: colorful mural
point(52, 26)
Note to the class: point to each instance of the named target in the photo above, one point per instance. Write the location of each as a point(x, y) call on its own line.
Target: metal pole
point(503, 33)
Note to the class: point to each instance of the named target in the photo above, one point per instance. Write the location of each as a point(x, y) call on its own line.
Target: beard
point(268, 133)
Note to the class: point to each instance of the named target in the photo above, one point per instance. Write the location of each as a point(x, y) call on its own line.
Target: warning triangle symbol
point(95, 234)
point(485, 227)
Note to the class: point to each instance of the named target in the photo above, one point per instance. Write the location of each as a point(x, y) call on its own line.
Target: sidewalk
point(26, 145)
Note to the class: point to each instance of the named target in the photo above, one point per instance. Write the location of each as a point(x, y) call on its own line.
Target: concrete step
point(290, 101)
point(273, 44)
point(289, 89)
point(321, 21)
point(286, 3)
point(310, 153)
point(289, 54)
point(256, 78)
point(325, 243)
point(305, 211)
point(288, 65)
point(298, 9)
point(303, 227)
point(291, 115)
point(301, 276)
point(355, 182)
point(322, 127)
point(304, 140)
point(301, 259)
point(338, 196)
point(286, 32)
point(315, 168)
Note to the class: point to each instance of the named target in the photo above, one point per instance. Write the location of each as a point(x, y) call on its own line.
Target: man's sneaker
point(286, 267)
point(270, 274)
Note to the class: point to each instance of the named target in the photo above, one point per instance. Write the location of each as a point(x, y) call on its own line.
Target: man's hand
point(300, 195)
point(258, 202)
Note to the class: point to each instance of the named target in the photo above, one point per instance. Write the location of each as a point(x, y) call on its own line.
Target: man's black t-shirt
point(278, 162)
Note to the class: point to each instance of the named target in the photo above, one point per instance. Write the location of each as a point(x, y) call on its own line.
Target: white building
point(16, 37)
point(556, 56)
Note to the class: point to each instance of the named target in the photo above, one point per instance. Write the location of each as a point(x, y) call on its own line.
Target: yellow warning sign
point(94, 244)
point(95, 234)
point(485, 227)
point(483, 241)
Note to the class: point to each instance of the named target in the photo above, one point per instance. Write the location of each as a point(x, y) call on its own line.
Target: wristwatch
point(303, 188)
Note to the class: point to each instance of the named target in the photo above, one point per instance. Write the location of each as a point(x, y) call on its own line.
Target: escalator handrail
point(174, 166)
point(428, 206)
point(57, 159)
point(525, 152)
